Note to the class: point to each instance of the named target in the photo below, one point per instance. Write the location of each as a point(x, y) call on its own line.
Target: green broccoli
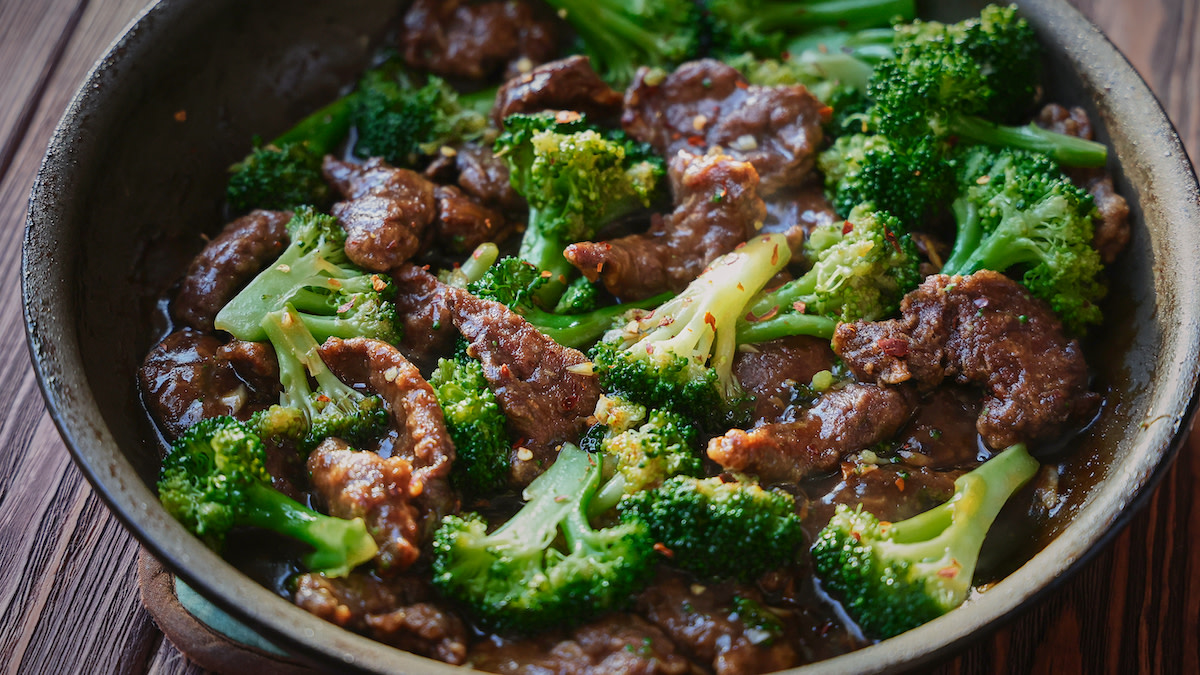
point(962, 80)
point(621, 35)
point(332, 296)
point(642, 449)
point(909, 180)
point(762, 27)
point(307, 415)
point(401, 122)
point(1017, 210)
point(861, 269)
point(718, 529)
point(515, 283)
point(892, 577)
point(581, 297)
point(476, 424)
point(286, 173)
point(214, 480)
point(546, 567)
point(576, 180)
point(679, 357)
point(473, 268)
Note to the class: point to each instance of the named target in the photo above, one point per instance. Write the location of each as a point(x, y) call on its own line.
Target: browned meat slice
point(420, 430)
point(400, 612)
point(566, 84)
point(183, 381)
point(719, 208)
point(423, 305)
point(1112, 227)
point(462, 223)
point(772, 369)
point(842, 421)
point(616, 644)
point(385, 213)
point(890, 492)
point(706, 625)
point(485, 177)
point(986, 330)
point(360, 484)
point(546, 403)
point(475, 40)
point(227, 263)
point(255, 364)
point(707, 103)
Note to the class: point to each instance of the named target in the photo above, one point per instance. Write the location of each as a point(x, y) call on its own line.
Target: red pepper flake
point(950, 571)
point(785, 56)
point(766, 315)
point(710, 320)
point(743, 85)
point(346, 307)
point(180, 115)
point(323, 398)
point(570, 402)
point(567, 116)
point(504, 371)
point(800, 306)
point(740, 287)
point(891, 237)
point(377, 283)
point(847, 227)
point(826, 113)
point(856, 535)
point(696, 141)
point(546, 274)
point(893, 347)
point(900, 484)
point(676, 135)
point(662, 549)
point(775, 255)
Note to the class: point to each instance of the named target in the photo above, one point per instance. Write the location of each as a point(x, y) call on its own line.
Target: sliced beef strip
point(707, 103)
point(485, 177)
point(772, 369)
point(420, 430)
point(796, 212)
point(707, 627)
point(615, 644)
point(476, 40)
point(227, 263)
point(256, 365)
point(842, 421)
point(1112, 228)
point(386, 211)
point(401, 612)
point(183, 381)
point(718, 208)
point(986, 330)
point(423, 305)
point(360, 484)
point(566, 84)
point(462, 223)
point(545, 402)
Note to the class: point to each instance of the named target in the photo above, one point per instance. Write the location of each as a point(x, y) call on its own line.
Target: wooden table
point(68, 594)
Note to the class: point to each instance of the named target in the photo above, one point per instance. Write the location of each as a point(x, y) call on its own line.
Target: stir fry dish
point(660, 337)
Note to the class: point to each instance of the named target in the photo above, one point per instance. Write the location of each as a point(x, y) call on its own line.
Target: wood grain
point(68, 599)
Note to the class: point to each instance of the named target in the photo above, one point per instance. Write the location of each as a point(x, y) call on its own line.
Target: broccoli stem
point(545, 252)
point(578, 330)
point(323, 129)
point(339, 545)
point(598, 23)
point(845, 14)
point(785, 325)
point(1064, 149)
point(966, 241)
point(299, 357)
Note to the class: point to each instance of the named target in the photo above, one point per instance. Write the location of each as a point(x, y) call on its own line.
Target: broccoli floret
point(576, 180)
point(401, 122)
point(545, 567)
point(581, 297)
point(763, 26)
point(476, 425)
point(892, 577)
point(1018, 210)
point(621, 35)
point(331, 295)
point(473, 268)
point(515, 283)
point(332, 409)
point(642, 456)
point(961, 80)
point(861, 269)
point(679, 357)
point(909, 180)
point(214, 480)
point(709, 526)
point(286, 173)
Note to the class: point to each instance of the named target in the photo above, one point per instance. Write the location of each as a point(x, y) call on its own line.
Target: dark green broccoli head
point(214, 479)
point(476, 424)
point(718, 529)
point(277, 177)
point(910, 180)
point(546, 567)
